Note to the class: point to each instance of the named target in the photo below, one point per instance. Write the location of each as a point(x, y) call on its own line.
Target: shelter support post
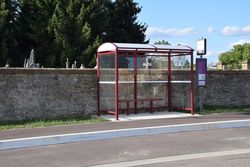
point(98, 84)
point(135, 82)
point(192, 85)
point(169, 83)
point(116, 86)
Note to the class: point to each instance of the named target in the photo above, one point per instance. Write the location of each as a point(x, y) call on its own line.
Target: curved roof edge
point(106, 47)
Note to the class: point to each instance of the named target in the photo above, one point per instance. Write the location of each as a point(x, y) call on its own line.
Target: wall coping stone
point(46, 71)
point(93, 71)
point(229, 71)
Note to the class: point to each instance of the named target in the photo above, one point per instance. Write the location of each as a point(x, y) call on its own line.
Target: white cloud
point(240, 42)
point(171, 32)
point(231, 30)
point(213, 53)
point(235, 30)
point(220, 52)
point(210, 53)
point(210, 29)
point(246, 29)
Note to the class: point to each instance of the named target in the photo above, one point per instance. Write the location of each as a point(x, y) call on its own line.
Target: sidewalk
point(88, 132)
point(56, 130)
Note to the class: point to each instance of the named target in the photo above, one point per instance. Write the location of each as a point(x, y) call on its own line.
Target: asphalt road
point(220, 148)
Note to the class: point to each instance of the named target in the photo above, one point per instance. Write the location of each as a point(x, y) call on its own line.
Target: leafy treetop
point(235, 56)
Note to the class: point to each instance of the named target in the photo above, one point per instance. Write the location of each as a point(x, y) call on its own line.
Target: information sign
point(201, 70)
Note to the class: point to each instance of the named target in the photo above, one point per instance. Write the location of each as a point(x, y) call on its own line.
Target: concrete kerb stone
point(118, 133)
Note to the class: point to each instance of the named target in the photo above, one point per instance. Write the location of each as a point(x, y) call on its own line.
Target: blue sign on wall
point(201, 70)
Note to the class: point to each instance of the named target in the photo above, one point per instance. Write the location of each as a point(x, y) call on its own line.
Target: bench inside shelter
point(150, 101)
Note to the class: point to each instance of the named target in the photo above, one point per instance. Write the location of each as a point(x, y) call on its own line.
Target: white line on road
point(176, 158)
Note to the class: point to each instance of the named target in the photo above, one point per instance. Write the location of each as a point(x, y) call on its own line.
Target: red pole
point(169, 83)
point(192, 85)
point(116, 86)
point(98, 84)
point(135, 82)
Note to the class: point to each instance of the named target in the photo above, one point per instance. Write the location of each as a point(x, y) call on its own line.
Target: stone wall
point(46, 93)
point(227, 88)
point(52, 93)
point(224, 88)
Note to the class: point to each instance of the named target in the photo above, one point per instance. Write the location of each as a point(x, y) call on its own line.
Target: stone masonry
point(46, 93)
point(53, 93)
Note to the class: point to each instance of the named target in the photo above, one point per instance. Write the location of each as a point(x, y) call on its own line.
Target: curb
point(118, 133)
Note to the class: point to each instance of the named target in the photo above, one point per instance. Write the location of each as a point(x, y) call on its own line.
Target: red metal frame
point(182, 108)
point(98, 80)
point(192, 85)
point(135, 82)
point(141, 100)
point(169, 83)
point(136, 52)
point(98, 85)
point(116, 86)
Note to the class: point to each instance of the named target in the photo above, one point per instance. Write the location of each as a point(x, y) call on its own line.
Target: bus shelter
point(138, 78)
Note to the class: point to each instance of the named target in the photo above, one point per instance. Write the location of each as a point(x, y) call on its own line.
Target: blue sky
point(223, 22)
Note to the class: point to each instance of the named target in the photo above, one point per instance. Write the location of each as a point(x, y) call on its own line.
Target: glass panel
point(107, 97)
point(126, 80)
point(152, 81)
point(107, 67)
point(181, 62)
point(181, 67)
point(107, 82)
point(181, 95)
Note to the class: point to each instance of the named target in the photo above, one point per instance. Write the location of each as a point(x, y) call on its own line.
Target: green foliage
point(224, 109)
point(60, 29)
point(8, 30)
point(123, 22)
point(178, 62)
point(33, 33)
point(162, 42)
point(71, 31)
point(234, 57)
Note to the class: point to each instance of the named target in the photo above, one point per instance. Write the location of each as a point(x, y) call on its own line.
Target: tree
point(8, 29)
point(73, 34)
point(235, 56)
point(246, 52)
point(178, 61)
point(29, 21)
point(162, 42)
point(60, 29)
point(186, 64)
point(99, 19)
point(33, 22)
point(124, 24)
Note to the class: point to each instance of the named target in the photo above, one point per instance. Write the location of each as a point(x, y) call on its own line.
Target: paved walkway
point(86, 132)
point(148, 116)
point(56, 130)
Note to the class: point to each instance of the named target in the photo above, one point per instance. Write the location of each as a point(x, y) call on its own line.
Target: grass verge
point(223, 109)
point(46, 123)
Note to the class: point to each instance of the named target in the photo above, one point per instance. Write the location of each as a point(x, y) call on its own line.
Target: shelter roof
point(107, 47)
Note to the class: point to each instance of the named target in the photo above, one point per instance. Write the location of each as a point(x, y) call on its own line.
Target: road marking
point(176, 158)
